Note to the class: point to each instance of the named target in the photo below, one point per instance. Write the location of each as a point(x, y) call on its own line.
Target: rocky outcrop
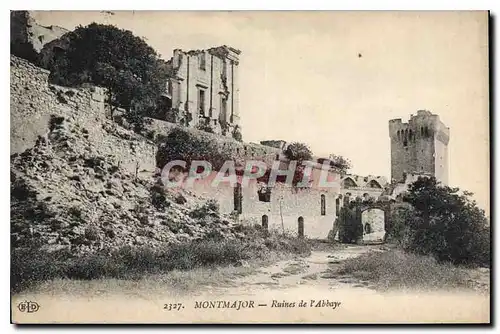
point(80, 181)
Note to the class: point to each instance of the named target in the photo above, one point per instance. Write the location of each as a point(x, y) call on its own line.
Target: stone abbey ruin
point(89, 179)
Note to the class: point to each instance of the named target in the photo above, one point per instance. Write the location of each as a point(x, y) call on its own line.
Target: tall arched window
point(238, 199)
point(265, 222)
point(337, 206)
point(323, 205)
point(301, 227)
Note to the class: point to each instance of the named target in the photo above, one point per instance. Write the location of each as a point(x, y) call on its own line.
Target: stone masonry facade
point(419, 146)
point(203, 91)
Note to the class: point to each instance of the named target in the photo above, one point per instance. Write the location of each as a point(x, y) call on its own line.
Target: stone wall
point(316, 205)
point(34, 100)
point(239, 150)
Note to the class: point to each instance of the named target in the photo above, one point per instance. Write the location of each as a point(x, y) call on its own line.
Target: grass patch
point(398, 270)
point(32, 266)
point(175, 282)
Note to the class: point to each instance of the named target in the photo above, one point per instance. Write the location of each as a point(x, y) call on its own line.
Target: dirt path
point(299, 272)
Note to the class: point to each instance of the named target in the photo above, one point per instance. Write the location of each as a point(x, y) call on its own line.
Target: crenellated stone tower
point(419, 147)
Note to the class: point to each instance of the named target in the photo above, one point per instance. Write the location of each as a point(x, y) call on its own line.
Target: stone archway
point(374, 220)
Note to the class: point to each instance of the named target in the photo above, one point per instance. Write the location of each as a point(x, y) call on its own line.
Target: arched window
point(301, 227)
point(374, 184)
point(368, 229)
point(422, 131)
point(411, 135)
point(238, 198)
point(399, 135)
point(337, 206)
point(323, 205)
point(348, 183)
point(265, 222)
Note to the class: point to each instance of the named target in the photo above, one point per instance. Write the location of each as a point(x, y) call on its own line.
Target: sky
point(333, 80)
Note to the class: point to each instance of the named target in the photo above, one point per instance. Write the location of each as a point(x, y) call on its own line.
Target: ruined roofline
point(366, 179)
point(28, 14)
point(415, 121)
point(215, 48)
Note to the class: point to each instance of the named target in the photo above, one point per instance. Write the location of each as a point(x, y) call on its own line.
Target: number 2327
point(173, 307)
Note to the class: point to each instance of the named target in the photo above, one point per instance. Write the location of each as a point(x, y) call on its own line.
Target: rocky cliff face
point(81, 181)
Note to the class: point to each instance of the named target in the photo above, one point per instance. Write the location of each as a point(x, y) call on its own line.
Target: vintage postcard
point(250, 167)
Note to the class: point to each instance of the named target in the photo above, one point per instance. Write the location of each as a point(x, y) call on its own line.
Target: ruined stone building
point(308, 211)
point(203, 89)
point(27, 37)
point(419, 147)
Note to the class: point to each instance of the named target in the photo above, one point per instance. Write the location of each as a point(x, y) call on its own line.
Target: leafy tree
point(341, 163)
point(113, 58)
point(299, 152)
point(446, 224)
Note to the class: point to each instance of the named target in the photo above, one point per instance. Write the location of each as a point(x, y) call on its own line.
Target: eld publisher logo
point(28, 306)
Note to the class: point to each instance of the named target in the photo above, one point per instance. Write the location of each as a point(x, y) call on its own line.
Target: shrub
point(400, 215)
point(158, 198)
point(399, 270)
point(204, 125)
point(446, 224)
point(237, 134)
point(180, 199)
point(209, 208)
point(298, 151)
point(181, 144)
point(350, 227)
point(339, 162)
